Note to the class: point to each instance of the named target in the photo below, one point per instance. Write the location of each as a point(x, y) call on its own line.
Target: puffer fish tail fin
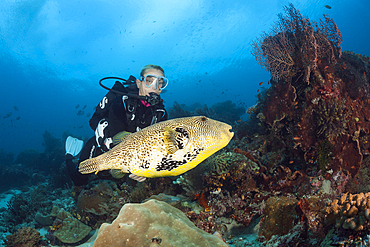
point(89, 166)
point(170, 140)
point(120, 136)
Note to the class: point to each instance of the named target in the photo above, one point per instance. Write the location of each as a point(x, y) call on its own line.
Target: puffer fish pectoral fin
point(137, 178)
point(120, 136)
point(117, 173)
point(170, 140)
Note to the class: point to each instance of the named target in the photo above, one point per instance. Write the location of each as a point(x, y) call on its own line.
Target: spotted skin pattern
point(146, 153)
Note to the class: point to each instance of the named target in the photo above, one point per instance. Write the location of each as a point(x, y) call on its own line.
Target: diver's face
point(143, 89)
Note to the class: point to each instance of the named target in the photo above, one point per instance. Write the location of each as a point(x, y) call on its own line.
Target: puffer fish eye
point(157, 240)
point(203, 119)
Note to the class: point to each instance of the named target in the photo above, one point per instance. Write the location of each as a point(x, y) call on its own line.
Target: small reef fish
point(327, 6)
point(167, 148)
point(80, 113)
point(16, 108)
point(7, 115)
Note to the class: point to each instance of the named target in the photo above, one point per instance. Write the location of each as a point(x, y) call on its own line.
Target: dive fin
point(73, 145)
point(117, 138)
point(117, 173)
point(170, 140)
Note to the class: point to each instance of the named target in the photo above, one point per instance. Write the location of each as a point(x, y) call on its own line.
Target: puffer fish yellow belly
point(168, 148)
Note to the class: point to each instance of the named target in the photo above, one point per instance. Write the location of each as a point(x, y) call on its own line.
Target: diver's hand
point(69, 157)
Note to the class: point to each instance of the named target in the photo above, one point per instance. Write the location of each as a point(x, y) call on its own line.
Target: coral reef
point(279, 216)
point(224, 161)
point(31, 208)
point(206, 222)
point(330, 118)
point(295, 43)
point(178, 111)
point(24, 237)
point(225, 111)
point(151, 187)
point(287, 221)
point(362, 184)
point(295, 168)
point(29, 158)
point(47, 161)
point(324, 155)
point(233, 194)
point(10, 175)
point(6, 158)
point(172, 200)
point(52, 145)
point(316, 109)
point(44, 220)
point(311, 135)
point(91, 200)
point(186, 184)
point(71, 230)
point(53, 154)
point(297, 236)
point(153, 223)
point(34, 166)
point(350, 211)
point(205, 111)
point(23, 207)
point(101, 203)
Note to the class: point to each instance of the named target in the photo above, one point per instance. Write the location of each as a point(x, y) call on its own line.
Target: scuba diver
point(124, 108)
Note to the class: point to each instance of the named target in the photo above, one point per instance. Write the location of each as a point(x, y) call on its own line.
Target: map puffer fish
point(167, 148)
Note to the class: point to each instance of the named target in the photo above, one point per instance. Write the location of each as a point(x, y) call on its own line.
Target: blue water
point(53, 53)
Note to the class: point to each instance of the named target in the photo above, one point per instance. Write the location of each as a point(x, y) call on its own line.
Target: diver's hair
point(151, 66)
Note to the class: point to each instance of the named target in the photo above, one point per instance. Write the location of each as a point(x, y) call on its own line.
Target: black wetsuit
point(115, 113)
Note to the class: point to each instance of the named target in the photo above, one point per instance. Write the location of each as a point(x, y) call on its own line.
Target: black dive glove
point(102, 136)
point(69, 157)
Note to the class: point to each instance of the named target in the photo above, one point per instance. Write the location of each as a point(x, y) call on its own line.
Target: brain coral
point(153, 223)
point(349, 212)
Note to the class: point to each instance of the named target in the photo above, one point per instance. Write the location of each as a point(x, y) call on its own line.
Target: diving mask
point(150, 80)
